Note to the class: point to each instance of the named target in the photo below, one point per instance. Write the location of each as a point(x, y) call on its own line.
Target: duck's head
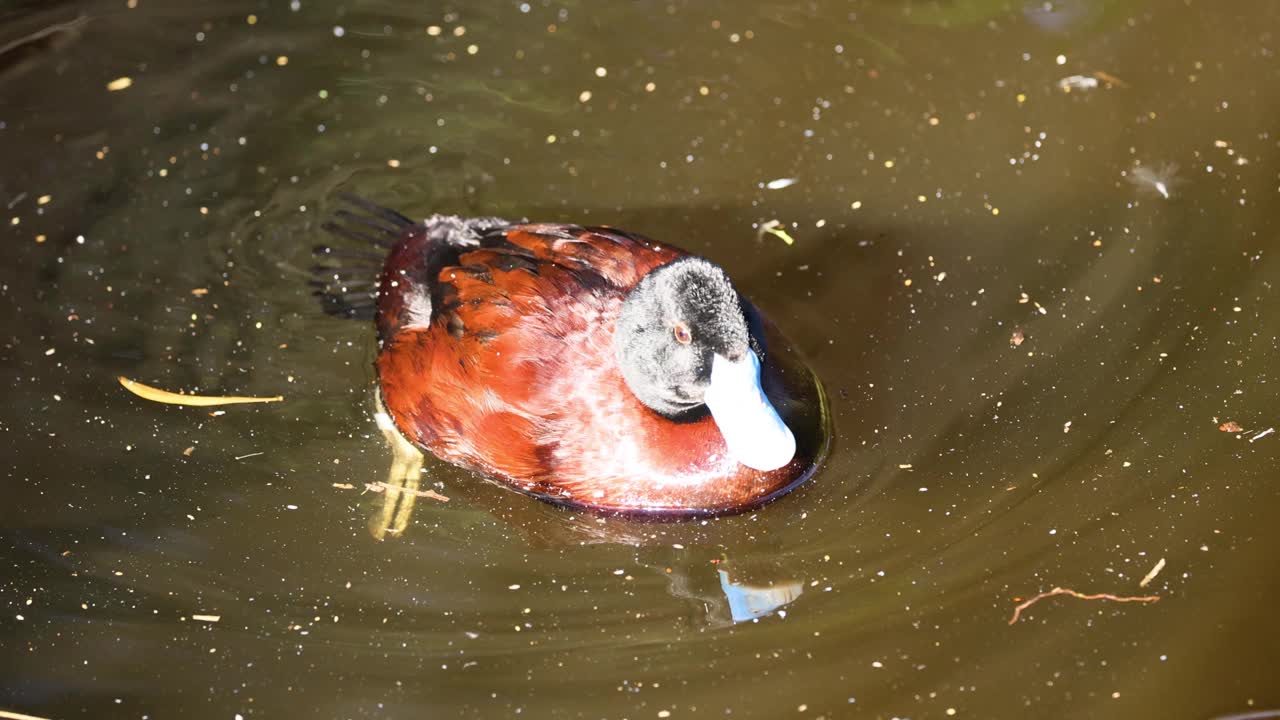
point(682, 343)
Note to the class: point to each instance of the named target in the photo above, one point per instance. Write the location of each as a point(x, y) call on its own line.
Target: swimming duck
point(587, 366)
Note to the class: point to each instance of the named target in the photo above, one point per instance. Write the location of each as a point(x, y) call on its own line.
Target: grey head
point(682, 344)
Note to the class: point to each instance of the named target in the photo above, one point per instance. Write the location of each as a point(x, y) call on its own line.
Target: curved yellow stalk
point(147, 392)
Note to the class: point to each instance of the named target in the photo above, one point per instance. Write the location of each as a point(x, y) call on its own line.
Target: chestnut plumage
point(587, 366)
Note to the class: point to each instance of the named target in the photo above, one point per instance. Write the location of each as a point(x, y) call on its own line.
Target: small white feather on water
point(1158, 180)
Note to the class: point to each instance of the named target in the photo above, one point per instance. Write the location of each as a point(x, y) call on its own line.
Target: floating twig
point(387, 487)
point(252, 454)
point(1152, 575)
point(1110, 79)
point(1017, 612)
point(1262, 434)
point(146, 392)
point(774, 227)
point(1255, 715)
point(10, 715)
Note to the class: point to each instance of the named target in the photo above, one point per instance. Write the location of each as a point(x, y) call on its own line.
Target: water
point(948, 195)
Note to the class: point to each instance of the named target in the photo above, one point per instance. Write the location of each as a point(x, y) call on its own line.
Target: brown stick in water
point(1017, 611)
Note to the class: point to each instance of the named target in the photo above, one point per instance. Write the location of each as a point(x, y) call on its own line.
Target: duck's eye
point(682, 334)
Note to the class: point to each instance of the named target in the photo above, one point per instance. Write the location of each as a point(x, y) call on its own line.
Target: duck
point(586, 366)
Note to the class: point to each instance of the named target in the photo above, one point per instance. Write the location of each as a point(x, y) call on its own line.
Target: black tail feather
point(365, 257)
point(346, 272)
point(352, 309)
point(383, 239)
point(375, 224)
point(375, 209)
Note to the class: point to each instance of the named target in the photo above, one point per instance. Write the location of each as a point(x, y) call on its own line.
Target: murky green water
point(947, 196)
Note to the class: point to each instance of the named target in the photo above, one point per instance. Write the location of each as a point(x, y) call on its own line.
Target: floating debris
point(119, 83)
point(1255, 715)
point(1110, 79)
point(207, 618)
point(1017, 611)
point(1160, 181)
point(774, 227)
point(381, 486)
point(1231, 427)
point(1262, 434)
point(781, 183)
point(146, 392)
point(1089, 82)
point(1077, 82)
point(1152, 575)
point(10, 715)
point(1017, 338)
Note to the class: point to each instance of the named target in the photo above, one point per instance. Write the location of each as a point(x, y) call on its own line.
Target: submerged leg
point(402, 482)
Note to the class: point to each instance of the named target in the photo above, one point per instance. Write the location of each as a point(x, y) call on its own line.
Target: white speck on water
point(780, 183)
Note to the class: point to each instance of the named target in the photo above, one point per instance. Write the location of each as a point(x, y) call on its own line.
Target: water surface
point(949, 199)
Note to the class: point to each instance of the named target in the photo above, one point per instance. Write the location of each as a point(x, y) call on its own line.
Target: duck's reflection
point(753, 598)
point(748, 590)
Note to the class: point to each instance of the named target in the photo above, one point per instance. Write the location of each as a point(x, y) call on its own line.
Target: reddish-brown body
point(499, 357)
